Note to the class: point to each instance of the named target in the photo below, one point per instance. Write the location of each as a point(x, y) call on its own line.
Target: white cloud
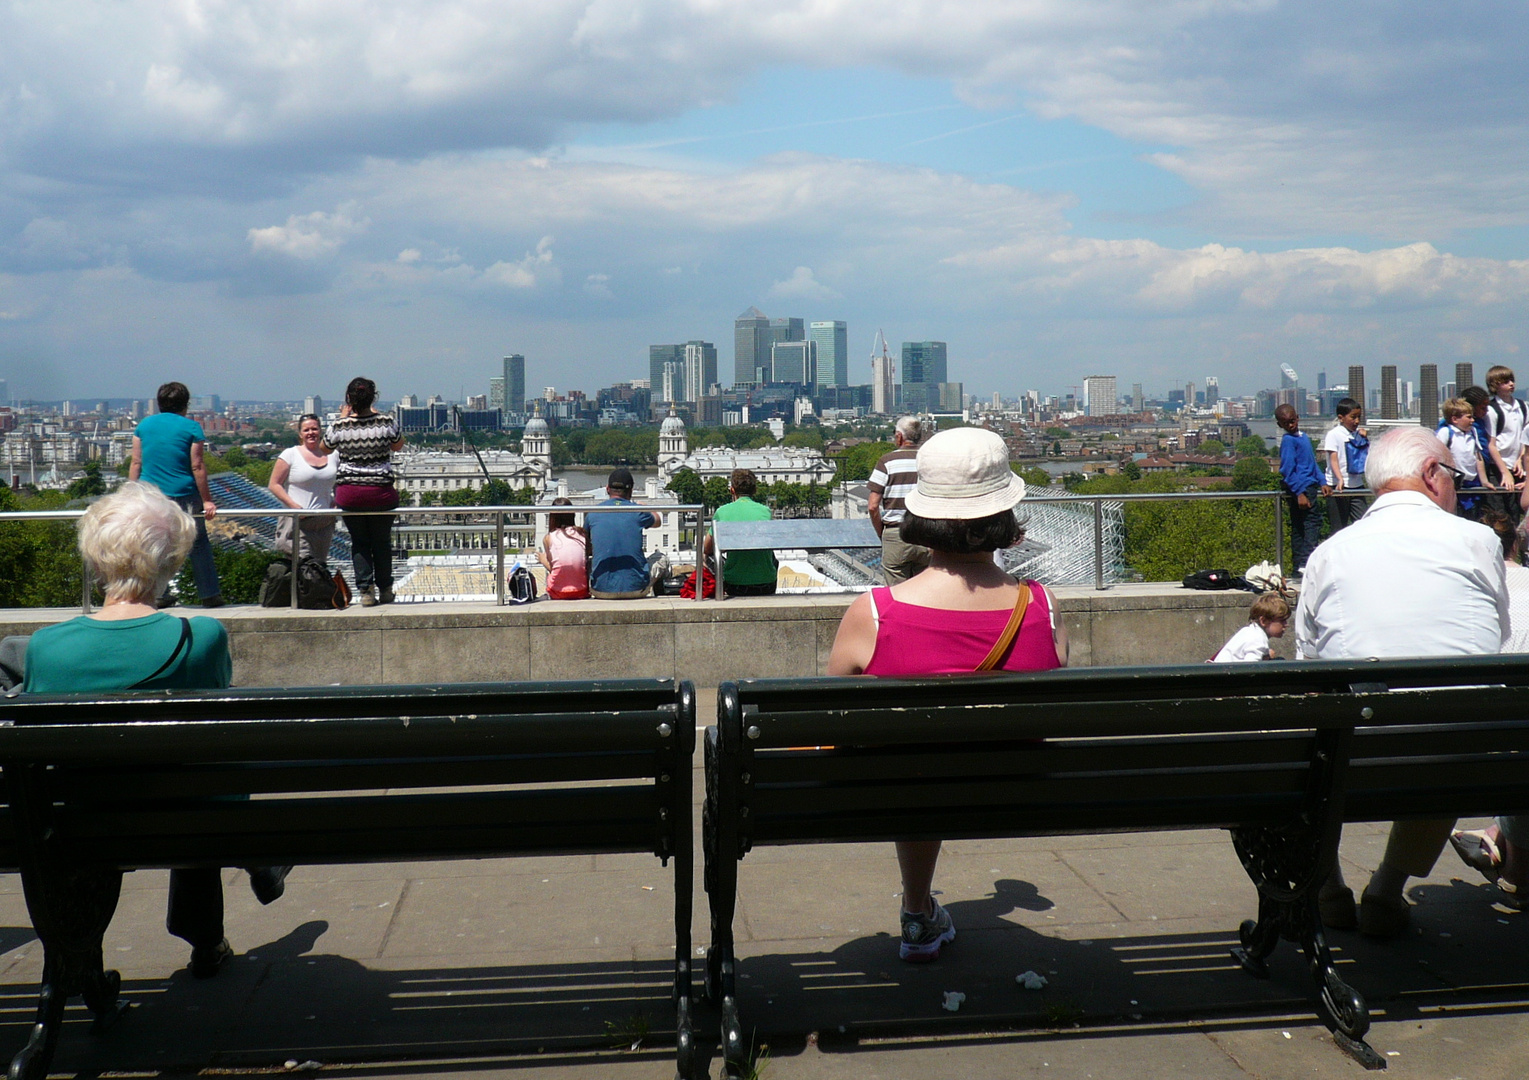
point(536, 268)
point(308, 236)
point(599, 285)
point(801, 285)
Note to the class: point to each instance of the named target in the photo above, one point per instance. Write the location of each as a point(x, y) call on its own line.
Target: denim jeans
point(203, 570)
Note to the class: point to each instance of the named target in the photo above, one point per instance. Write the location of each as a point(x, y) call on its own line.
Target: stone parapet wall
point(707, 642)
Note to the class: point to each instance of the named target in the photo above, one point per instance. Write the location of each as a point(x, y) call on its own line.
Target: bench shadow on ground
point(1463, 954)
point(286, 1001)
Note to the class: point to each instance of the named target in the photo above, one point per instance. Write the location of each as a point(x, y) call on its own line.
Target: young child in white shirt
point(1266, 619)
point(1458, 434)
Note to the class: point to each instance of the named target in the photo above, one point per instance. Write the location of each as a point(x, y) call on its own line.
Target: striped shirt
point(365, 447)
point(893, 477)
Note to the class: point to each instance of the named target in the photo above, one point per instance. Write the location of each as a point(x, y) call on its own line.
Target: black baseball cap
point(620, 479)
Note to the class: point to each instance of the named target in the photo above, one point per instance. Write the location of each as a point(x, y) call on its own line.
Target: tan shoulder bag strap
point(1006, 639)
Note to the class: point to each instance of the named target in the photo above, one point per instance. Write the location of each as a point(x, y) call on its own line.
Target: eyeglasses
point(1454, 472)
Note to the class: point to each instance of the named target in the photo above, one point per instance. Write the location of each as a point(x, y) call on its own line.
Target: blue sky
point(264, 200)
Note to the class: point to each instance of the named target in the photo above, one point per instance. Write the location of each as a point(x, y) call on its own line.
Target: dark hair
point(560, 521)
point(1502, 525)
point(173, 397)
point(1476, 396)
point(743, 482)
point(955, 536)
point(361, 393)
point(1346, 406)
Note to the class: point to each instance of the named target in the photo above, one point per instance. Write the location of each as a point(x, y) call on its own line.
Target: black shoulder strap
point(183, 642)
point(1497, 412)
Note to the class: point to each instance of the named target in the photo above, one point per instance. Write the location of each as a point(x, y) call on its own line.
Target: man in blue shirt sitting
point(1303, 481)
point(618, 570)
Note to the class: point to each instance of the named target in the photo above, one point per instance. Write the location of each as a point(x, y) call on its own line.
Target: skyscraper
point(883, 385)
point(1213, 389)
point(1136, 397)
point(923, 371)
point(1464, 376)
point(670, 387)
point(751, 346)
point(1356, 384)
point(832, 340)
point(496, 392)
point(1388, 388)
point(700, 368)
point(1428, 395)
point(794, 362)
point(1099, 397)
point(515, 383)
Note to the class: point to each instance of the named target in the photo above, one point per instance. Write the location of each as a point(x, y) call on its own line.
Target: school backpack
point(1210, 580)
point(1356, 454)
point(1497, 411)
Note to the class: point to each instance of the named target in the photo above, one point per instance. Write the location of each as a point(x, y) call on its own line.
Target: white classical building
point(771, 465)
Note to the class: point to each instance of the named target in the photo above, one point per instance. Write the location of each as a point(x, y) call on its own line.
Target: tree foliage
point(1251, 446)
point(857, 461)
point(90, 485)
point(1213, 446)
point(1033, 475)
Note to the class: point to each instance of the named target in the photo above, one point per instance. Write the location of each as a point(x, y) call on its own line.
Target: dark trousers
point(1305, 527)
point(1344, 511)
point(764, 588)
point(203, 570)
point(196, 906)
point(371, 548)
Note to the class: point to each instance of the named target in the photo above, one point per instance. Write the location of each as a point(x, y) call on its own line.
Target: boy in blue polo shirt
point(1303, 482)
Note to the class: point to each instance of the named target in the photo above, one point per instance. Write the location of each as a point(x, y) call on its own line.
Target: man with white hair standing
point(894, 476)
point(1408, 579)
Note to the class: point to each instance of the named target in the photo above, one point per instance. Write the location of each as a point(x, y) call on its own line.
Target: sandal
point(1479, 851)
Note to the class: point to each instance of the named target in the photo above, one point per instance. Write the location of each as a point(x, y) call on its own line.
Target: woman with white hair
point(962, 614)
point(134, 541)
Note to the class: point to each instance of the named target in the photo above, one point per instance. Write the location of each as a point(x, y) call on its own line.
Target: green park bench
point(338, 775)
point(1279, 754)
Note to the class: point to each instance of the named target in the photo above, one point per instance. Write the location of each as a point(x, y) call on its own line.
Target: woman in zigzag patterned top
point(365, 441)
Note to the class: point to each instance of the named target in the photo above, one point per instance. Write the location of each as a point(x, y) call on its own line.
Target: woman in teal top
point(135, 541)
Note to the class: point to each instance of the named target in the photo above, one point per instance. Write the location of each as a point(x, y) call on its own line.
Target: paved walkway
point(536, 968)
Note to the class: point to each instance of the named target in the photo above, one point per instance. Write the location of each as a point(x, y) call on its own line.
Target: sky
point(263, 200)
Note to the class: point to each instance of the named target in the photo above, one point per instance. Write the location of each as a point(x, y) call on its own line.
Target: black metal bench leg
point(1259, 938)
point(32, 1062)
point(1344, 1009)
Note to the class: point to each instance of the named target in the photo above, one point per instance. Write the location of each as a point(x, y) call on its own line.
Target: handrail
point(499, 513)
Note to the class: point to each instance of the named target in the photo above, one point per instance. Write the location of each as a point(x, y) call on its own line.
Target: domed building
point(673, 445)
point(536, 444)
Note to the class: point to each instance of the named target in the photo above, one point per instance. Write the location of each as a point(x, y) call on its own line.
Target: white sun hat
point(964, 474)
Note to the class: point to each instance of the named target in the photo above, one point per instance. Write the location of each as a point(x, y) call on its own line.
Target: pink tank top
point(569, 577)
point(913, 640)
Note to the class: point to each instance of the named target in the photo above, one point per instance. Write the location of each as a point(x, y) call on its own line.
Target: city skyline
point(282, 197)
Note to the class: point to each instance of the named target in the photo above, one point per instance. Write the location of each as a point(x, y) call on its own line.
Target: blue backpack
point(1356, 453)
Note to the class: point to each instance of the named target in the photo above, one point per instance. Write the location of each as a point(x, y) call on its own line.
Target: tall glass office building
point(923, 371)
point(832, 340)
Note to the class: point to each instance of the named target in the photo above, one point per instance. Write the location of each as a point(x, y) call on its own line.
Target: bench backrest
point(358, 774)
point(1125, 748)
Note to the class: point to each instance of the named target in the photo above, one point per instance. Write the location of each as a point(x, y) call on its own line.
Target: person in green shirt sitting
point(745, 573)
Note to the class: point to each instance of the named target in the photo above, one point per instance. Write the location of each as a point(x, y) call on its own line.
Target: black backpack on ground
point(1211, 579)
point(315, 585)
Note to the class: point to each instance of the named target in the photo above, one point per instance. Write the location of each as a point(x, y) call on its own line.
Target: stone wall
point(707, 642)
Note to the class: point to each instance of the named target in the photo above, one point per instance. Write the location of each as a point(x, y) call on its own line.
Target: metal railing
point(499, 515)
point(1276, 497)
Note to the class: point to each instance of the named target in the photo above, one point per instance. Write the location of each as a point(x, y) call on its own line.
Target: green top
point(746, 567)
point(87, 655)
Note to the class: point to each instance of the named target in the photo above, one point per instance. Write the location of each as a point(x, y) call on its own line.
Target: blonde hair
point(1498, 375)
point(1271, 606)
point(135, 541)
point(1458, 406)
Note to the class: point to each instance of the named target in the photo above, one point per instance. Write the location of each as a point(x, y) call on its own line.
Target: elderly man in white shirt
point(1408, 579)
